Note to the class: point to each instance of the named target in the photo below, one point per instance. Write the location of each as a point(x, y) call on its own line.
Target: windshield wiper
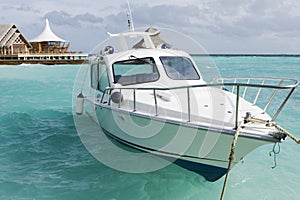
point(140, 59)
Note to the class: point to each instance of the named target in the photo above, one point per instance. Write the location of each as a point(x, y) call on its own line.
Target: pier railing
point(251, 89)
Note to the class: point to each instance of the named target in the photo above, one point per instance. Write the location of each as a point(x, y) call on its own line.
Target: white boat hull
point(202, 150)
point(155, 100)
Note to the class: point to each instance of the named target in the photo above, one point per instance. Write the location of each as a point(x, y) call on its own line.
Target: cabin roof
point(157, 41)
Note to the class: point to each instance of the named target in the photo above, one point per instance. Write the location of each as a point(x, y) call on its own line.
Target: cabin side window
point(179, 68)
point(103, 79)
point(94, 76)
point(135, 71)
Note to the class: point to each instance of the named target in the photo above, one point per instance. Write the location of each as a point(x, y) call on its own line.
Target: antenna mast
point(129, 18)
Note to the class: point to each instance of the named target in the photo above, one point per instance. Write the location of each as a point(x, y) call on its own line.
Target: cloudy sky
point(220, 26)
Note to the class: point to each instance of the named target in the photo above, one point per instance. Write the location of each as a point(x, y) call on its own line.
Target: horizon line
point(248, 54)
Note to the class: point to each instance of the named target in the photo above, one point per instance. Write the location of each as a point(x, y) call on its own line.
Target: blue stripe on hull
point(210, 173)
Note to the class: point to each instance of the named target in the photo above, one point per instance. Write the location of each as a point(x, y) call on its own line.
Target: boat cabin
point(146, 63)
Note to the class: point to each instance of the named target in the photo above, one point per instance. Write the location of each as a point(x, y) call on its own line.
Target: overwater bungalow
point(46, 48)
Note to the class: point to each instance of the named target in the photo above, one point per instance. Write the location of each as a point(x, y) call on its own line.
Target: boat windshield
point(134, 71)
point(179, 68)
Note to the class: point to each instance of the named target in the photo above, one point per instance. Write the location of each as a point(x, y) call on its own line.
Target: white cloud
point(63, 18)
point(234, 26)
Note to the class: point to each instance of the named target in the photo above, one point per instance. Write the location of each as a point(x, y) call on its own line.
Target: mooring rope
point(287, 133)
point(231, 158)
point(274, 152)
point(272, 123)
point(252, 120)
point(84, 78)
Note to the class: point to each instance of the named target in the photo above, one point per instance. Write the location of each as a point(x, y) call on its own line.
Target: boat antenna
point(129, 18)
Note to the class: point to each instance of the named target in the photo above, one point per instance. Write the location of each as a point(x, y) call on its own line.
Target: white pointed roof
point(47, 35)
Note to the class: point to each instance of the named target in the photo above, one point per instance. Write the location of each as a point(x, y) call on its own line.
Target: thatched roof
point(9, 33)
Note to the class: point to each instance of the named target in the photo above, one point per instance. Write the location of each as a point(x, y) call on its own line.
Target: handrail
point(214, 85)
point(238, 83)
point(278, 84)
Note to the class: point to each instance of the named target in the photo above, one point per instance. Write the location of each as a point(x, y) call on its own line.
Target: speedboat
point(153, 98)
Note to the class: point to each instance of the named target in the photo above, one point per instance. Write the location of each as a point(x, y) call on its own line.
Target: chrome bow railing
point(273, 85)
point(239, 86)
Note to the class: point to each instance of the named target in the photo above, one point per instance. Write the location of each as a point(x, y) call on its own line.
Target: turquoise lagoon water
point(42, 157)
